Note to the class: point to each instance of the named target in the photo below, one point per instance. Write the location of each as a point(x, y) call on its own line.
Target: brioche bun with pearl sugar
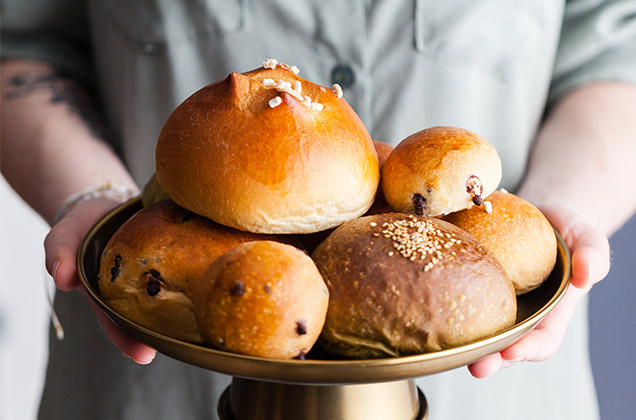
point(268, 152)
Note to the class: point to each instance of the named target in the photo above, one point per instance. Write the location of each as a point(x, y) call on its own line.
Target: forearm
point(584, 156)
point(51, 144)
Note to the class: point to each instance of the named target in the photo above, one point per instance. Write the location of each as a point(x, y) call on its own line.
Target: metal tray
point(319, 368)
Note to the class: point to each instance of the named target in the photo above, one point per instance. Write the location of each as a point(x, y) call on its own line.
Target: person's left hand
point(590, 264)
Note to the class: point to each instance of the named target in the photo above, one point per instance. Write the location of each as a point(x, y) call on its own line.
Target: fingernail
point(507, 363)
point(139, 361)
point(56, 265)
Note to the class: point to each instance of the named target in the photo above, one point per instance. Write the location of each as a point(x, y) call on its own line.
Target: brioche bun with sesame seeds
point(404, 284)
point(151, 265)
point(517, 233)
point(440, 170)
point(269, 152)
point(262, 299)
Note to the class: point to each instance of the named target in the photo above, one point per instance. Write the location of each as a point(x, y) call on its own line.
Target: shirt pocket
point(493, 36)
point(148, 26)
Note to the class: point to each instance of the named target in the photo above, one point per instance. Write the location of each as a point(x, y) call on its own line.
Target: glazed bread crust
point(517, 233)
point(263, 299)
point(268, 158)
point(440, 170)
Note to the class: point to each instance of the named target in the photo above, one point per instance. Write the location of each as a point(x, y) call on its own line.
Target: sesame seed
point(275, 101)
point(417, 239)
point(488, 206)
point(295, 70)
point(269, 82)
point(316, 107)
point(373, 224)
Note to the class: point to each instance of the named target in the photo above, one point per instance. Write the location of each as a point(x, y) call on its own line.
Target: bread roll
point(312, 240)
point(440, 170)
point(403, 284)
point(267, 151)
point(263, 299)
point(151, 265)
point(517, 233)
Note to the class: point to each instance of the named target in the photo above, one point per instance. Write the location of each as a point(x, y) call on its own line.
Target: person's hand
point(590, 264)
point(62, 244)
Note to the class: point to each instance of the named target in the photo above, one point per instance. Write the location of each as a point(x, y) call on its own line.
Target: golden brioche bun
point(440, 170)
point(230, 152)
point(403, 284)
point(151, 265)
point(263, 299)
point(312, 240)
point(517, 233)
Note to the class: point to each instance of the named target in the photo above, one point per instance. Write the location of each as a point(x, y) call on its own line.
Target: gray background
point(613, 329)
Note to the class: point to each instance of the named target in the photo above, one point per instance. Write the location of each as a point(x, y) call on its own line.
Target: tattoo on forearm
point(62, 90)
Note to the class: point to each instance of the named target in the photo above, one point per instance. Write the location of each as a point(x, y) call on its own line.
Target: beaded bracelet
point(116, 192)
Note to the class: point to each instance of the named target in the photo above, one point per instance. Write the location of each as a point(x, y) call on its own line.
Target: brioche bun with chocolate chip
point(517, 233)
point(403, 284)
point(151, 265)
point(440, 170)
point(267, 151)
point(263, 299)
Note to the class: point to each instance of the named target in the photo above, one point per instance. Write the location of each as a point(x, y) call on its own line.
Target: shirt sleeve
point(598, 43)
point(54, 31)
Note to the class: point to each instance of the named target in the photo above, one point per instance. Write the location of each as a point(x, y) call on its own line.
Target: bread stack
point(267, 229)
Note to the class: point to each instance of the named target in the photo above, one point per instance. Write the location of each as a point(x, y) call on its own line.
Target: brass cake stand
point(320, 387)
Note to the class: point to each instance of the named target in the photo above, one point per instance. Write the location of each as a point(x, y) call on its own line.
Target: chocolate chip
point(153, 287)
point(154, 273)
point(301, 328)
point(477, 200)
point(419, 202)
point(238, 289)
point(114, 273)
point(301, 355)
point(117, 260)
point(267, 289)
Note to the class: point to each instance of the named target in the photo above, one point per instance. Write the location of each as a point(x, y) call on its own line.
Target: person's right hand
point(62, 244)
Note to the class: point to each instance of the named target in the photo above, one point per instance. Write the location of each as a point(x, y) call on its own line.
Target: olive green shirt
point(491, 66)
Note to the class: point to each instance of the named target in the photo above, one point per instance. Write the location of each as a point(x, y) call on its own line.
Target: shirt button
point(343, 75)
